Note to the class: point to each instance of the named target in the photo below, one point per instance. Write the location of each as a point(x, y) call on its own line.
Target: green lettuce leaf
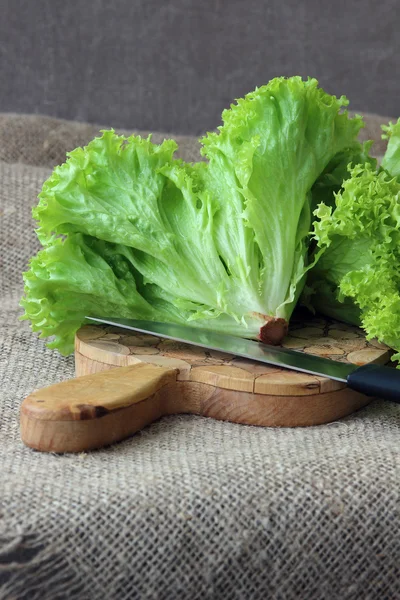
point(338, 170)
point(263, 163)
point(357, 276)
point(82, 275)
point(77, 276)
point(391, 158)
point(222, 244)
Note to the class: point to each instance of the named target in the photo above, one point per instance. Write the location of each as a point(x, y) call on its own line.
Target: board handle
point(95, 410)
point(376, 380)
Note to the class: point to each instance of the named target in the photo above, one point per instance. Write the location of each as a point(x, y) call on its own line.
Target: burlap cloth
point(190, 508)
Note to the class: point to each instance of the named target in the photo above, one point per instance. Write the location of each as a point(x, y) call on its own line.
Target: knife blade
point(371, 379)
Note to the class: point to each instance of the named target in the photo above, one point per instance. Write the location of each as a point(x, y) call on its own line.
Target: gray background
point(173, 66)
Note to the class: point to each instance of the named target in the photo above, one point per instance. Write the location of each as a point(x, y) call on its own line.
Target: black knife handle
point(377, 381)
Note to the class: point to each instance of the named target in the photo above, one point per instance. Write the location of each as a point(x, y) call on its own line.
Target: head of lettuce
point(129, 231)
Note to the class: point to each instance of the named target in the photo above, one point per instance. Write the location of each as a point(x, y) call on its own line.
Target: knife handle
point(95, 410)
point(375, 380)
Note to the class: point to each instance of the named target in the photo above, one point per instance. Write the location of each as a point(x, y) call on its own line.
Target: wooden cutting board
point(159, 377)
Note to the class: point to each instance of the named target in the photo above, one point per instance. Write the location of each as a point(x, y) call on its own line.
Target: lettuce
point(129, 231)
point(338, 170)
point(391, 158)
point(357, 276)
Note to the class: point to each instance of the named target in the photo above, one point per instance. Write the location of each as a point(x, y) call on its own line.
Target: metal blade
point(272, 355)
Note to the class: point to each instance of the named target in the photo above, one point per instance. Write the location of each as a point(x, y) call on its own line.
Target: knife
point(371, 379)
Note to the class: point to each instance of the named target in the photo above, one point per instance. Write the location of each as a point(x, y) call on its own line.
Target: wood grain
point(323, 338)
point(98, 393)
point(126, 380)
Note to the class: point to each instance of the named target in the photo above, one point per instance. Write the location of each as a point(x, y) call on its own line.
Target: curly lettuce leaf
point(357, 277)
point(81, 275)
point(222, 243)
point(263, 162)
point(71, 278)
point(391, 158)
point(338, 170)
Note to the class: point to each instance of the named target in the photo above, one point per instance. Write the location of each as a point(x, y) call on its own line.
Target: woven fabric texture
point(174, 66)
point(190, 508)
